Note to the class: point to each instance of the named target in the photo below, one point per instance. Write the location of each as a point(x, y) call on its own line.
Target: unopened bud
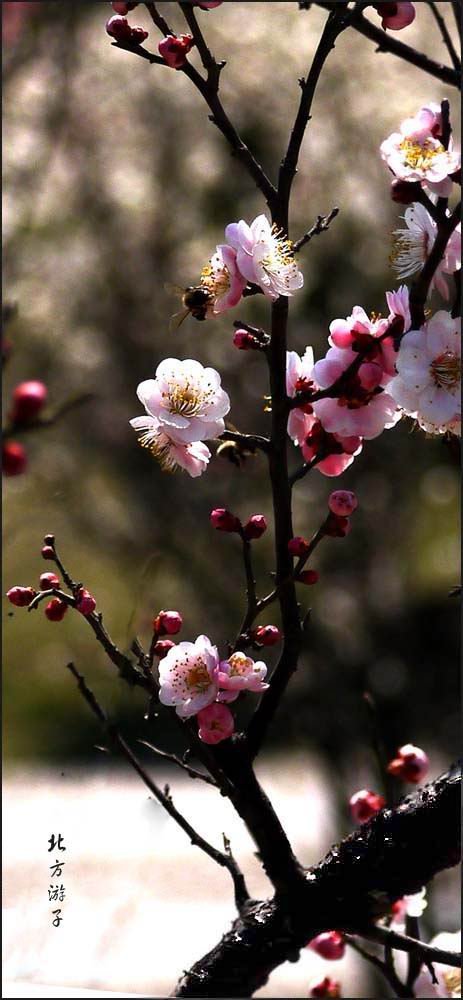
point(174, 49)
point(411, 764)
point(365, 804)
point(342, 502)
point(85, 602)
point(21, 596)
point(48, 552)
point(298, 546)
point(162, 647)
point(14, 458)
point(336, 527)
point(245, 341)
point(119, 28)
point(266, 635)
point(28, 400)
point(255, 527)
point(55, 610)
point(308, 576)
point(49, 540)
point(327, 988)
point(119, 7)
point(224, 520)
point(168, 623)
point(330, 945)
point(49, 580)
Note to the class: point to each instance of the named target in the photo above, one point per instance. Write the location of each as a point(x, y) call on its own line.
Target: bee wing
point(174, 289)
point(177, 319)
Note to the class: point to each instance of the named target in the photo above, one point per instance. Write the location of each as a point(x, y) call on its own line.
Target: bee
point(234, 451)
point(196, 300)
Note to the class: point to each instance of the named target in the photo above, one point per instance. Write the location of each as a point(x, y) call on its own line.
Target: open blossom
point(363, 409)
point(416, 153)
point(427, 386)
point(171, 455)
point(187, 676)
point(448, 978)
point(240, 673)
point(186, 399)
point(222, 280)
point(409, 906)
point(360, 332)
point(265, 257)
point(411, 248)
point(340, 451)
point(298, 379)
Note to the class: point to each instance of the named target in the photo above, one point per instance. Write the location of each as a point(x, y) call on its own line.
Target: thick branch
point(396, 853)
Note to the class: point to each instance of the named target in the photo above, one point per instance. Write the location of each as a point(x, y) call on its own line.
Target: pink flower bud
point(48, 552)
point(21, 596)
point(138, 35)
point(411, 764)
point(405, 192)
point(342, 502)
point(119, 28)
point(168, 623)
point(28, 400)
point(85, 602)
point(162, 647)
point(49, 580)
point(308, 576)
point(119, 7)
point(216, 723)
point(207, 4)
point(395, 16)
point(327, 988)
point(266, 635)
point(336, 527)
point(245, 341)
point(55, 610)
point(329, 945)
point(298, 546)
point(223, 520)
point(14, 458)
point(365, 804)
point(255, 527)
point(174, 49)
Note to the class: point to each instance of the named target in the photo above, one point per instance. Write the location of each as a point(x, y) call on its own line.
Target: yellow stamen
point(420, 155)
point(446, 370)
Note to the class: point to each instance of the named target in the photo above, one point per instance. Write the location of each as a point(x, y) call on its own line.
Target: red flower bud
point(255, 527)
point(138, 35)
point(245, 341)
point(266, 635)
point(119, 28)
point(21, 596)
point(342, 502)
point(85, 602)
point(411, 764)
point(405, 192)
point(119, 7)
point(162, 647)
point(223, 520)
point(49, 580)
point(336, 527)
point(329, 945)
point(49, 540)
point(48, 552)
point(168, 623)
point(28, 400)
point(56, 610)
point(308, 576)
point(365, 804)
point(174, 49)
point(298, 546)
point(14, 458)
point(327, 988)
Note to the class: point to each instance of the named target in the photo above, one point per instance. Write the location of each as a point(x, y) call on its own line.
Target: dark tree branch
point(420, 288)
point(386, 967)
point(456, 10)
point(395, 854)
point(191, 771)
point(400, 942)
point(446, 36)
point(42, 423)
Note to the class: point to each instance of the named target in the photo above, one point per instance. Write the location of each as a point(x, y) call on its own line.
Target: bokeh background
point(114, 184)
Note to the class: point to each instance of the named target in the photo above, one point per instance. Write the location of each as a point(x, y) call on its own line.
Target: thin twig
point(212, 67)
point(320, 226)
point(456, 10)
point(420, 288)
point(305, 468)
point(400, 942)
point(225, 860)
point(43, 423)
point(446, 36)
point(384, 967)
point(193, 773)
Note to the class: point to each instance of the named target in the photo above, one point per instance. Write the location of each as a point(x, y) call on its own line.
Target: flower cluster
point(27, 402)
point(49, 583)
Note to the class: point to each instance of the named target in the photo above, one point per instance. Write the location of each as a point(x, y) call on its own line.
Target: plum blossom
point(363, 409)
point(240, 673)
point(187, 676)
point(416, 154)
point(216, 723)
point(358, 332)
point(265, 257)
point(171, 455)
point(411, 248)
point(409, 906)
point(340, 451)
point(186, 400)
point(222, 280)
point(427, 386)
point(399, 308)
point(298, 378)
point(448, 979)
point(396, 16)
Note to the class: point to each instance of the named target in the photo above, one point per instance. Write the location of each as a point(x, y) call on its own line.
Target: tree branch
point(320, 226)
point(446, 36)
point(191, 771)
point(401, 942)
point(420, 288)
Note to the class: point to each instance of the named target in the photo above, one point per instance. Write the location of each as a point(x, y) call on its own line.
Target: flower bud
point(85, 602)
point(28, 400)
point(49, 580)
point(266, 635)
point(14, 458)
point(168, 623)
point(329, 945)
point(55, 610)
point(308, 576)
point(138, 35)
point(216, 723)
point(298, 546)
point(342, 502)
point(162, 647)
point(245, 341)
point(411, 764)
point(223, 520)
point(405, 192)
point(119, 28)
point(395, 16)
point(119, 7)
point(326, 988)
point(49, 540)
point(365, 804)
point(21, 596)
point(48, 552)
point(336, 527)
point(174, 49)
point(255, 527)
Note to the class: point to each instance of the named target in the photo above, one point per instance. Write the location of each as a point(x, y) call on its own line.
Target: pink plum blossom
point(396, 16)
point(362, 410)
point(448, 978)
point(223, 280)
point(416, 154)
point(240, 673)
point(216, 723)
point(340, 451)
point(411, 248)
point(359, 332)
point(399, 307)
point(298, 378)
point(171, 455)
point(187, 676)
point(265, 257)
point(427, 386)
point(186, 399)
point(174, 49)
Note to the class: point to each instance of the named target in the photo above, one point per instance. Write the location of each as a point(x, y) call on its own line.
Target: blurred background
point(114, 183)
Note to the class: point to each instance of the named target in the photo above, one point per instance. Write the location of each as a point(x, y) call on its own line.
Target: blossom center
point(216, 280)
point(452, 981)
point(446, 370)
point(239, 664)
point(186, 400)
point(198, 677)
point(420, 155)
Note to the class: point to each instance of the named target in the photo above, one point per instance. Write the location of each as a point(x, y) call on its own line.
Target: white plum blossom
point(448, 978)
point(222, 280)
point(416, 153)
point(186, 399)
point(427, 386)
point(265, 257)
point(187, 676)
point(240, 673)
point(298, 379)
point(171, 455)
point(411, 248)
